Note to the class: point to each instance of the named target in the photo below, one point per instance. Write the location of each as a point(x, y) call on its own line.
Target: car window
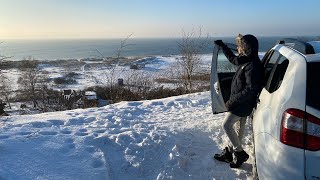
point(269, 65)
point(278, 74)
point(224, 65)
point(226, 71)
point(313, 85)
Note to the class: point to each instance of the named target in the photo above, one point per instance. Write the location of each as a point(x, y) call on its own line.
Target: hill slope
point(171, 138)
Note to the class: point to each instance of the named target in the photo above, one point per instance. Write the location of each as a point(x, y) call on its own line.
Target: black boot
point(225, 156)
point(240, 158)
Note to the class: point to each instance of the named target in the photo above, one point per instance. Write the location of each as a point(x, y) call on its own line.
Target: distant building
point(85, 99)
point(68, 93)
point(90, 99)
point(71, 98)
point(90, 95)
point(120, 82)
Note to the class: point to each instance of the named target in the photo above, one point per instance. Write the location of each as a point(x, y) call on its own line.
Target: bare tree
point(191, 45)
point(30, 79)
point(118, 58)
point(173, 75)
point(114, 71)
point(139, 82)
point(5, 88)
point(5, 85)
point(123, 44)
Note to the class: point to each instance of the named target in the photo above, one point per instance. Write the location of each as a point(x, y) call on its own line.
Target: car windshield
point(313, 86)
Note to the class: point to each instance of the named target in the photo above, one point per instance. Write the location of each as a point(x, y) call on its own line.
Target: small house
point(90, 99)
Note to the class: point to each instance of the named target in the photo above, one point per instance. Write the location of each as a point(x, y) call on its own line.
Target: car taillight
point(300, 129)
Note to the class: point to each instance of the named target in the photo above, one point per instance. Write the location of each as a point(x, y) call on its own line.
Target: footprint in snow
point(40, 124)
point(157, 103)
point(70, 143)
point(97, 163)
point(48, 133)
point(100, 131)
point(67, 147)
point(71, 146)
point(92, 110)
point(171, 103)
point(180, 99)
point(75, 121)
point(4, 136)
point(81, 133)
point(83, 130)
point(57, 122)
point(69, 140)
point(90, 149)
point(89, 119)
point(24, 133)
point(134, 103)
point(65, 131)
point(73, 114)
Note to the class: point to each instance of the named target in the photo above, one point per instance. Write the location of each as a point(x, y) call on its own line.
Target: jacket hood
point(249, 44)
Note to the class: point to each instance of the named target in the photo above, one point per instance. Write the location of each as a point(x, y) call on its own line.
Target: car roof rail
point(301, 46)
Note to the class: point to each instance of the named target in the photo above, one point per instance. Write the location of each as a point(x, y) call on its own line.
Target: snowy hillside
point(172, 138)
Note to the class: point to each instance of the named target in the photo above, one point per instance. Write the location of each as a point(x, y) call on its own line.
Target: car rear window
point(313, 84)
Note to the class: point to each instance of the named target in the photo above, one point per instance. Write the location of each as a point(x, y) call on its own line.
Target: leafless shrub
point(31, 80)
point(5, 88)
point(161, 92)
point(64, 80)
point(115, 61)
point(166, 80)
point(139, 82)
point(191, 46)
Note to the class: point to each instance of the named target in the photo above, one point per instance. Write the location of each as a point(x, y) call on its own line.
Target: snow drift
point(171, 138)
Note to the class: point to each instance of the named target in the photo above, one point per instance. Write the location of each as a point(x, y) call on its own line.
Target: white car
point(286, 121)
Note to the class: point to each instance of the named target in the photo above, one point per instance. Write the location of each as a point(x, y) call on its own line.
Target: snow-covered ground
point(171, 138)
point(98, 73)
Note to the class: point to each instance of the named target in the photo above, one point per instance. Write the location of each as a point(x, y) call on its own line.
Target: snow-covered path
point(171, 138)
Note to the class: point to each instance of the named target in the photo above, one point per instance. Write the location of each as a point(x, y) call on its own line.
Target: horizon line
point(110, 38)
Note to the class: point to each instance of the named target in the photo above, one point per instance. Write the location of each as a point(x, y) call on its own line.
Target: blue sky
point(156, 18)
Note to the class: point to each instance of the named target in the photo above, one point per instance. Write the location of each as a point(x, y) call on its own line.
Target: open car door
point(222, 72)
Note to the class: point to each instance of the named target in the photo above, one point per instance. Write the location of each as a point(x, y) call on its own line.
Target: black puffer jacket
point(248, 79)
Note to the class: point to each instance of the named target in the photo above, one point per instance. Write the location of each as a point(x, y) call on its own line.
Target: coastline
point(64, 49)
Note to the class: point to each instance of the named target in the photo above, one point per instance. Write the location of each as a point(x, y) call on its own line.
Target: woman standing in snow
point(245, 87)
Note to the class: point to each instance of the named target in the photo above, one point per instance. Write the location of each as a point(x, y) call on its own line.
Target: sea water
point(99, 48)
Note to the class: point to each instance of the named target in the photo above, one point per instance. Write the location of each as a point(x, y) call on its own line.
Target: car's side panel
point(272, 157)
point(280, 162)
point(292, 93)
